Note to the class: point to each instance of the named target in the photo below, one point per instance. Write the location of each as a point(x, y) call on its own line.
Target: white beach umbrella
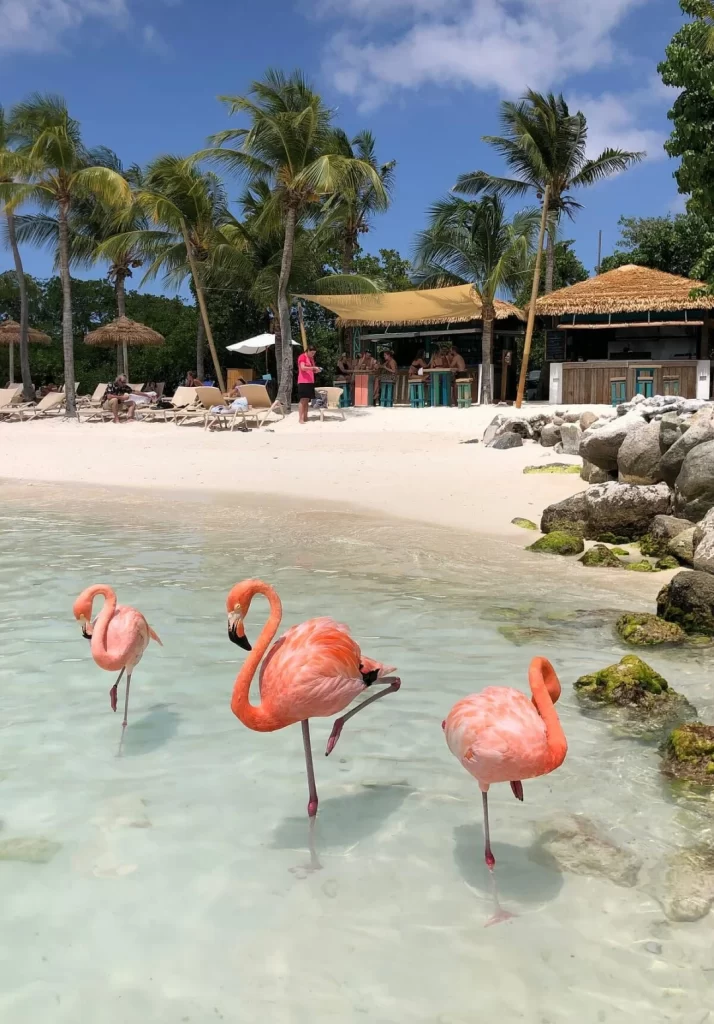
point(254, 346)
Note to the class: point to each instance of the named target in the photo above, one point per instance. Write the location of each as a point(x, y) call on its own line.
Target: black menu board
point(555, 346)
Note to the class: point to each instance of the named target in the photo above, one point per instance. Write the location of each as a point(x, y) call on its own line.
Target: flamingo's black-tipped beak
point(235, 638)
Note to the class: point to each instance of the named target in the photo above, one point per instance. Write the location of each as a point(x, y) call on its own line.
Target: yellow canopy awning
point(456, 304)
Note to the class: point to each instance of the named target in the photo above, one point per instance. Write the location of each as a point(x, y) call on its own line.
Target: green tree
point(543, 144)
point(389, 270)
point(62, 172)
point(673, 244)
point(291, 145)
point(474, 243)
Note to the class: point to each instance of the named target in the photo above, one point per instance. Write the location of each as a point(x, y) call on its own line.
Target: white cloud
point(155, 42)
point(37, 26)
point(616, 121)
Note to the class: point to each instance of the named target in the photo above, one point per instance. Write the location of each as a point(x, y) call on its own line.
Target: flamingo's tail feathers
point(155, 636)
point(517, 788)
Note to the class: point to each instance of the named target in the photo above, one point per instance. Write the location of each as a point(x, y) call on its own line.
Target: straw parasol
point(124, 332)
point(10, 332)
point(629, 289)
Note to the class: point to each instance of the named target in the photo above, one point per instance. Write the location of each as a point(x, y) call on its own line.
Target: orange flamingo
point(119, 637)
point(314, 670)
point(499, 735)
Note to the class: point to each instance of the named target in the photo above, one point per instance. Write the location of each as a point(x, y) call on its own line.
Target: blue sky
point(142, 77)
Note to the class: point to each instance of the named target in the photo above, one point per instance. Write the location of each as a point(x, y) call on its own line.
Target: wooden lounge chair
point(10, 396)
point(205, 399)
point(93, 401)
point(259, 402)
point(334, 397)
point(51, 405)
point(183, 400)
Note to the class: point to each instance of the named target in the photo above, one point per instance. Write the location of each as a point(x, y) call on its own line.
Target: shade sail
point(629, 289)
point(254, 346)
point(456, 304)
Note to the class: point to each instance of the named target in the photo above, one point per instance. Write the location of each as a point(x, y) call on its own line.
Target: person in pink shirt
point(306, 380)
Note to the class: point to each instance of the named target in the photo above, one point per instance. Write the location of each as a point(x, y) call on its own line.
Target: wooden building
point(629, 331)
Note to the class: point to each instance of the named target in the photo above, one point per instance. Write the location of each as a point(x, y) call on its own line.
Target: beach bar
point(629, 331)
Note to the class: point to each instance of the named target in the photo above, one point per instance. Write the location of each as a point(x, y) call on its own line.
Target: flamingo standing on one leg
point(119, 637)
point(499, 735)
point(315, 670)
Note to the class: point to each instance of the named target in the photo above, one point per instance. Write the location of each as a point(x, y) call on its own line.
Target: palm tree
point(63, 172)
point(472, 242)
point(13, 167)
point(544, 144)
point(291, 146)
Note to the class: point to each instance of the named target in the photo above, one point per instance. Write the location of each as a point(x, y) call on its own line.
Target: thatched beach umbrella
point(10, 332)
point(124, 332)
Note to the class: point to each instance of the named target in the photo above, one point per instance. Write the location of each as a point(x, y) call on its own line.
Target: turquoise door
point(618, 390)
point(644, 382)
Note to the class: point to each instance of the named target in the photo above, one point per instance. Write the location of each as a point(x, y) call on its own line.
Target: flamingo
point(499, 735)
point(313, 671)
point(119, 637)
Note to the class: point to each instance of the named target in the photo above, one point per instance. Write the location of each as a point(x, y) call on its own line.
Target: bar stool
point(386, 394)
point(346, 399)
point(440, 386)
point(463, 392)
point(416, 394)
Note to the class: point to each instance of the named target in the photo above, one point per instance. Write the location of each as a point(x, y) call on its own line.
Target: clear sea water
point(175, 883)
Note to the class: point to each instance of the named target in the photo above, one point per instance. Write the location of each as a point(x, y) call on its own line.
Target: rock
point(525, 524)
point(683, 883)
point(682, 547)
point(522, 636)
point(653, 947)
point(671, 428)
point(643, 566)
point(601, 557)
point(573, 843)
point(621, 552)
point(639, 455)
point(666, 527)
point(694, 488)
point(642, 630)
point(558, 421)
point(558, 448)
point(570, 434)
point(666, 563)
point(571, 417)
point(509, 440)
point(612, 538)
point(703, 545)
point(516, 425)
point(693, 405)
point(600, 445)
point(549, 435)
point(553, 467)
point(29, 849)
point(624, 509)
point(701, 430)
point(689, 753)
point(558, 543)
point(568, 515)
point(587, 419)
point(688, 600)
point(651, 547)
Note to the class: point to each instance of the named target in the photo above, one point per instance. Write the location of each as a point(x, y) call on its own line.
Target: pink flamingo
point(499, 735)
point(314, 670)
point(119, 637)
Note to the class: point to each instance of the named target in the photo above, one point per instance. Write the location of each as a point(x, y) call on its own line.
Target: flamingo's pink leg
point(312, 804)
point(490, 859)
point(113, 691)
point(393, 686)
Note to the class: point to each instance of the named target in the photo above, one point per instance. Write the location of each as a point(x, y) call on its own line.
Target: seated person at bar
point(344, 363)
point(439, 360)
point(367, 363)
point(456, 360)
point(419, 364)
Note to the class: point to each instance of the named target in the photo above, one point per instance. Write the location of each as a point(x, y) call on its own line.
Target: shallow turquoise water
point(177, 882)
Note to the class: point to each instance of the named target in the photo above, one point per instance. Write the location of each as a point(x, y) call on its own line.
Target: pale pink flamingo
point(314, 670)
point(499, 735)
point(119, 636)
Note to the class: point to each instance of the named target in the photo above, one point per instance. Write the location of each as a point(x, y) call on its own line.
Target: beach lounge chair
point(11, 395)
point(51, 405)
point(260, 404)
point(205, 399)
point(334, 397)
point(93, 401)
point(221, 414)
point(183, 400)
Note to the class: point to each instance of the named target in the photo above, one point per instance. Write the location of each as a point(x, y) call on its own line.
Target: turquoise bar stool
point(386, 394)
point(416, 394)
point(346, 399)
point(440, 384)
point(463, 393)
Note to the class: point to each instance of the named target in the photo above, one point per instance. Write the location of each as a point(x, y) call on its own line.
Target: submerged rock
point(525, 524)
point(683, 883)
point(521, 635)
point(509, 440)
point(573, 843)
point(29, 849)
point(558, 543)
point(553, 467)
point(601, 557)
point(689, 753)
point(666, 563)
point(688, 600)
point(643, 630)
point(642, 566)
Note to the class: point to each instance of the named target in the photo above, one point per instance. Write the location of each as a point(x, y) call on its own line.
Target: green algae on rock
point(689, 753)
point(653, 546)
point(612, 538)
point(523, 635)
point(558, 543)
point(554, 467)
point(688, 600)
point(629, 682)
point(668, 562)
point(525, 524)
point(642, 566)
point(620, 551)
point(600, 557)
point(643, 630)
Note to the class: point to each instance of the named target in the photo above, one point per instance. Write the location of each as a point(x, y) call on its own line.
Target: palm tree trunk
point(550, 262)
point(487, 353)
point(200, 347)
point(120, 291)
point(348, 258)
point(67, 335)
point(202, 306)
point(285, 366)
point(27, 388)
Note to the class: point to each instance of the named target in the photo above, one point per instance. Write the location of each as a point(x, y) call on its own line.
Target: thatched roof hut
point(10, 334)
point(629, 289)
point(124, 331)
point(456, 304)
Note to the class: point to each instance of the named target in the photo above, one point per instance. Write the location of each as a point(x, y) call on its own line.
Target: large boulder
point(694, 489)
point(593, 474)
point(516, 425)
point(509, 440)
point(491, 430)
point(570, 434)
point(689, 753)
point(587, 419)
point(688, 600)
point(671, 428)
point(701, 430)
point(643, 630)
point(600, 557)
point(639, 455)
point(550, 435)
point(568, 515)
point(682, 547)
point(703, 544)
point(558, 543)
point(623, 509)
point(600, 444)
point(665, 528)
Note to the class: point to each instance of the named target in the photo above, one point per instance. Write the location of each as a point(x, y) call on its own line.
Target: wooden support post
point(534, 298)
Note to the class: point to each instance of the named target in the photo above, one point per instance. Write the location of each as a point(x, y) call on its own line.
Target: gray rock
point(570, 434)
point(550, 435)
point(509, 440)
point(694, 489)
point(688, 600)
point(703, 544)
point(568, 515)
point(701, 430)
point(682, 547)
point(491, 430)
point(625, 509)
point(558, 421)
point(671, 429)
point(683, 883)
point(639, 455)
point(693, 404)
point(575, 844)
point(571, 417)
point(561, 413)
point(667, 527)
point(516, 425)
point(600, 445)
point(558, 448)
point(587, 419)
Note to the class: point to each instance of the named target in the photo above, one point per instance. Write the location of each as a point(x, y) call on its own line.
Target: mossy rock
point(643, 566)
point(554, 467)
point(612, 538)
point(643, 630)
point(569, 526)
point(521, 636)
point(558, 543)
point(653, 547)
point(600, 557)
point(622, 552)
point(688, 600)
point(668, 562)
point(689, 753)
point(506, 613)
point(525, 524)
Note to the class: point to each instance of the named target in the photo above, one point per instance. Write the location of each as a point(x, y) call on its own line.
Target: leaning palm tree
point(545, 145)
point(474, 243)
point(62, 172)
point(290, 145)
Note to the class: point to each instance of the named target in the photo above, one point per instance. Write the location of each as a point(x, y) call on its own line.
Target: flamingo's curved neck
point(100, 652)
point(546, 690)
point(259, 718)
